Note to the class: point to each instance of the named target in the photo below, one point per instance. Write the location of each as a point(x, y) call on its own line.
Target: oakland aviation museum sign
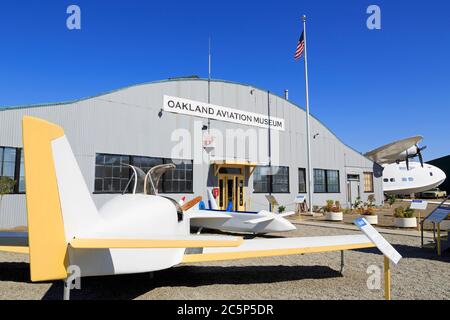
point(210, 111)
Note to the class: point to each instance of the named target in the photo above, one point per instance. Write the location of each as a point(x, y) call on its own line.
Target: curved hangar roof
point(223, 93)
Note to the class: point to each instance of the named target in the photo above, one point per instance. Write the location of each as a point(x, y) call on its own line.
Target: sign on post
point(440, 214)
point(300, 199)
point(378, 240)
point(419, 205)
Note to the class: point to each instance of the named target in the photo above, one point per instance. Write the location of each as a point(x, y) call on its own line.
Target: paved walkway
point(411, 233)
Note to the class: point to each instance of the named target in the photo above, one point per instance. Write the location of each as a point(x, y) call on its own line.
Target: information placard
point(378, 240)
point(299, 199)
point(419, 205)
point(440, 214)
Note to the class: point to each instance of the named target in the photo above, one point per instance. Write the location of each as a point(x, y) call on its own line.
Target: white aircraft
point(133, 233)
point(246, 222)
point(400, 175)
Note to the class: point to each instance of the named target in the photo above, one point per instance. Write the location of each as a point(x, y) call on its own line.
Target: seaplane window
point(411, 179)
point(385, 180)
point(431, 174)
point(392, 179)
point(404, 179)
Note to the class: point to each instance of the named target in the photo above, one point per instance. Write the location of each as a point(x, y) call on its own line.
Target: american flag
point(300, 47)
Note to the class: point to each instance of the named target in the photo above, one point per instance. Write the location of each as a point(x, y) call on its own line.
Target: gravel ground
point(420, 275)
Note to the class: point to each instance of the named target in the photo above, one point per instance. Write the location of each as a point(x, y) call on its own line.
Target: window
point(368, 182)
point(11, 166)
point(326, 181)
point(410, 179)
point(112, 173)
point(392, 180)
point(404, 179)
point(261, 180)
point(179, 180)
point(385, 180)
point(301, 180)
point(271, 180)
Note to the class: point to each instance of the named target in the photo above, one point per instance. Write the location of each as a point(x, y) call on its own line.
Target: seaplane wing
point(389, 152)
point(281, 247)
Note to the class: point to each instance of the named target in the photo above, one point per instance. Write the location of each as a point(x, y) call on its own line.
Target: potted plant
point(370, 215)
point(404, 218)
point(333, 211)
point(368, 210)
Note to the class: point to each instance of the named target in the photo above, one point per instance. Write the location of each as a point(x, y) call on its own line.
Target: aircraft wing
point(157, 242)
point(281, 247)
point(385, 153)
point(271, 217)
point(204, 214)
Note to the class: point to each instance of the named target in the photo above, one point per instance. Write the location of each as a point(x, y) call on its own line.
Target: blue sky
point(369, 87)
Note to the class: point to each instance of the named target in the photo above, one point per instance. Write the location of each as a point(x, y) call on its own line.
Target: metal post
point(439, 239)
point(387, 279)
point(67, 285)
point(308, 133)
point(342, 261)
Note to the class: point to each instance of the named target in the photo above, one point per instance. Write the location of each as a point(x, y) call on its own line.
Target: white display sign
point(210, 111)
point(419, 205)
point(378, 240)
point(299, 199)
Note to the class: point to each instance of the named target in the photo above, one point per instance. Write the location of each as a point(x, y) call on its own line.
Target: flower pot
point(445, 225)
point(372, 219)
point(405, 222)
point(334, 216)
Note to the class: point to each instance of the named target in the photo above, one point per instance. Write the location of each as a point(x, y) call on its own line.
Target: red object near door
point(215, 193)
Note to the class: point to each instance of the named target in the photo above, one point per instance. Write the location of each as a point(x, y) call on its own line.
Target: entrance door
point(231, 190)
point(353, 188)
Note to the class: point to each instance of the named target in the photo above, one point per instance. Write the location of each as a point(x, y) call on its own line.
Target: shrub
point(409, 213)
point(391, 200)
point(399, 212)
point(281, 209)
point(371, 200)
point(357, 203)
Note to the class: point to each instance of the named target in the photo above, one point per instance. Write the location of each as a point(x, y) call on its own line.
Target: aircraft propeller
point(418, 153)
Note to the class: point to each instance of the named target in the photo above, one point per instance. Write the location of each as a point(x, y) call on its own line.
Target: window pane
point(332, 181)
point(301, 180)
point(110, 172)
point(261, 180)
point(319, 181)
point(368, 182)
point(180, 179)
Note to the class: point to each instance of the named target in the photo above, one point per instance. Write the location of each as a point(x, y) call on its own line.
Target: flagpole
point(308, 133)
point(209, 78)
